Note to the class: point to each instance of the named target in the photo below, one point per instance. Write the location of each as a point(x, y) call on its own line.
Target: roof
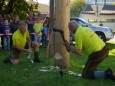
point(107, 9)
point(43, 16)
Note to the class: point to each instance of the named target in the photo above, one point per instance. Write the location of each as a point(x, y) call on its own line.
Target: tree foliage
point(17, 7)
point(76, 7)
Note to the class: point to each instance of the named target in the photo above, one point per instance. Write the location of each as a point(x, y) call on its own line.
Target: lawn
point(28, 74)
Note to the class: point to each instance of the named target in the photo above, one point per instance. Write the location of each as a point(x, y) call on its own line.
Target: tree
point(17, 7)
point(76, 7)
point(62, 18)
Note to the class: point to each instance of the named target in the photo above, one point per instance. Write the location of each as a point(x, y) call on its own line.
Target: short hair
point(73, 24)
point(30, 12)
point(22, 24)
point(16, 16)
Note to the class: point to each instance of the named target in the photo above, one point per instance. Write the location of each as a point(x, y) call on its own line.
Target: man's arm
point(21, 48)
point(29, 42)
point(72, 48)
point(30, 22)
point(76, 51)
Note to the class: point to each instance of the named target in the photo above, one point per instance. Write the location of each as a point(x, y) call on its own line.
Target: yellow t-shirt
point(37, 27)
point(19, 39)
point(88, 40)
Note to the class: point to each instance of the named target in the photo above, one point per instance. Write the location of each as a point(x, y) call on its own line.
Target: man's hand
point(66, 44)
point(29, 50)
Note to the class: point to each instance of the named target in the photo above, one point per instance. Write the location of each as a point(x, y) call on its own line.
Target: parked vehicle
point(104, 33)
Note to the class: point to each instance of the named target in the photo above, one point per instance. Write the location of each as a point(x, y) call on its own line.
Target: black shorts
point(16, 52)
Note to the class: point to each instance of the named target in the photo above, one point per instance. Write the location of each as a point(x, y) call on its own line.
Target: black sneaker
point(8, 59)
point(38, 60)
point(109, 74)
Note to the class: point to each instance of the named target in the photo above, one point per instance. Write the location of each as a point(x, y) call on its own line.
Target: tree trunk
point(52, 13)
point(62, 17)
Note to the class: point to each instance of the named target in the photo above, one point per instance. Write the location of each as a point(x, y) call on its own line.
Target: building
point(42, 8)
point(106, 16)
point(99, 1)
point(96, 16)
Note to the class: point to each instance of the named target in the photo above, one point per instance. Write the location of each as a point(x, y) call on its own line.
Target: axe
point(29, 58)
point(62, 35)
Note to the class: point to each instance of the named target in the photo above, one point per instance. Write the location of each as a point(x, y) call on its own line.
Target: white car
point(104, 33)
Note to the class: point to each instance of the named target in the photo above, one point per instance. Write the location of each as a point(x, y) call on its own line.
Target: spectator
point(15, 23)
point(14, 26)
point(38, 28)
point(44, 35)
point(7, 17)
point(101, 24)
point(94, 47)
point(1, 23)
point(22, 42)
point(47, 21)
point(31, 21)
point(6, 29)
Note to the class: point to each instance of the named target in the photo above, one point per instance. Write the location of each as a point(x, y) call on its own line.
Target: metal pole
point(105, 2)
point(97, 11)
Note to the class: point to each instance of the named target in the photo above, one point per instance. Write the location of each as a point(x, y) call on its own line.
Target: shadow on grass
point(111, 46)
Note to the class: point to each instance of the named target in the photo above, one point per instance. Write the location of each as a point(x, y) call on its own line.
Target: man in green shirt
point(22, 42)
point(96, 50)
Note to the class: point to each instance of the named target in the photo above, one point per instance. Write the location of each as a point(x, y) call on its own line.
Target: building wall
point(99, 1)
point(44, 9)
point(102, 17)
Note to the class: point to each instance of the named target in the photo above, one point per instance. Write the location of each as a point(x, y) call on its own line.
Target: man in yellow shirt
point(95, 49)
point(22, 42)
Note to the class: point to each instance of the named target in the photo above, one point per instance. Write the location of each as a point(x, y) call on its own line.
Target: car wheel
point(101, 35)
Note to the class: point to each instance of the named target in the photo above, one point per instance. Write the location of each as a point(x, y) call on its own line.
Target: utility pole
point(97, 11)
point(105, 2)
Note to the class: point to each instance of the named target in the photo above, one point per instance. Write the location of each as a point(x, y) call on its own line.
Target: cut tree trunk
point(62, 17)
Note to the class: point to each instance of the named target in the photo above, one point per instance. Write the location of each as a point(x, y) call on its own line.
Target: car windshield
point(81, 22)
point(86, 22)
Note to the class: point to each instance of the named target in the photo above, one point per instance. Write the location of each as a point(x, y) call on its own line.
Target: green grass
point(27, 74)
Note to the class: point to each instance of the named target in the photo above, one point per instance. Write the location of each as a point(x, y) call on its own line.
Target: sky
point(44, 1)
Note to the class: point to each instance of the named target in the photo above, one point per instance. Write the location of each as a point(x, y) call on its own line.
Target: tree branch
point(9, 7)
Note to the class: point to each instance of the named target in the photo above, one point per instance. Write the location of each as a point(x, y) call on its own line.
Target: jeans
point(38, 39)
point(32, 36)
point(6, 42)
point(44, 40)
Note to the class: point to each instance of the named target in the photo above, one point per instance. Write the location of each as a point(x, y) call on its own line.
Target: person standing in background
point(14, 25)
point(30, 22)
point(44, 35)
point(6, 29)
point(38, 28)
point(47, 22)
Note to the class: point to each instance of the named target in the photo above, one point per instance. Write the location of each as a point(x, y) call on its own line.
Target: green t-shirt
point(19, 39)
point(37, 27)
point(88, 40)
